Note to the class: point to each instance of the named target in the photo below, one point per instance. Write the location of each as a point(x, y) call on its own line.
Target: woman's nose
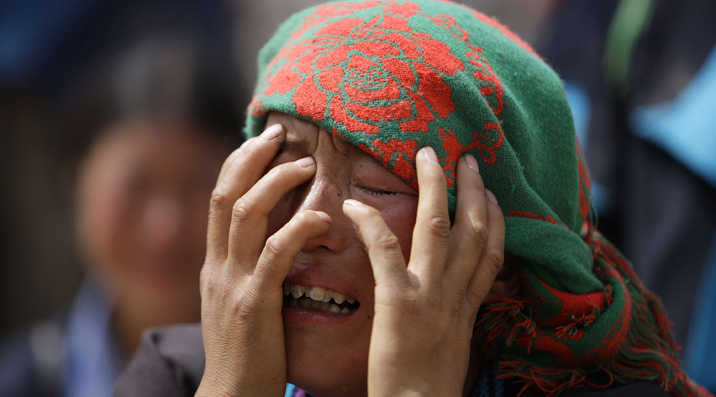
point(162, 218)
point(325, 196)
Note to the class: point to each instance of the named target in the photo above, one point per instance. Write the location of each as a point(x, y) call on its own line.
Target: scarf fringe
point(648, 353)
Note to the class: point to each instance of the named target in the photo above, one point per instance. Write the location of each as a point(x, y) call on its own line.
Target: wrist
point(213, 388)
point(216, 386)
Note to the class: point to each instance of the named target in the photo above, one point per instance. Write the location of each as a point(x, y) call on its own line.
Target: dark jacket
point(170, 362)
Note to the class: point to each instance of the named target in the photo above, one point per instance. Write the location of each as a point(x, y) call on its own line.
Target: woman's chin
point(328, 362)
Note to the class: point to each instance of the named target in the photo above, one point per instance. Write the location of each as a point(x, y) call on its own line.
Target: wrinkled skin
point(330, 211)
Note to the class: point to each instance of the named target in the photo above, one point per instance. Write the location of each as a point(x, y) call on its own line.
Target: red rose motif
point(491, 86)
point(448, 22)
point(329, 11)
point(406, 10)
point(364, 73)
point(398, 156)
point(487, 143)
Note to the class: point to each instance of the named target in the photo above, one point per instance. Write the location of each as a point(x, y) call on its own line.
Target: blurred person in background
point(147, 131)
point(641, 80)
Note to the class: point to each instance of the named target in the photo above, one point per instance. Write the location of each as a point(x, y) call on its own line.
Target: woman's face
point(143, 194)
point(326, 351)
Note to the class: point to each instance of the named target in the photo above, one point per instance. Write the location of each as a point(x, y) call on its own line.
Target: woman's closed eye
point(377, 192)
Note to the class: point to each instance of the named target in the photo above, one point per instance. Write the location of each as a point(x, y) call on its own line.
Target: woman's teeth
point(318, 298)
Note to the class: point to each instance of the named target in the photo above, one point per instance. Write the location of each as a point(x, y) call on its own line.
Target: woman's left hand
point(425, 311)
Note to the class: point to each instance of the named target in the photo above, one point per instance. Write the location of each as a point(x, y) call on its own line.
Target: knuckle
point(405, 298)
point(274, 247)
point(411, 303)
point(457, 310)
point(218, 198)
point(241, 307)
point(208, 284)
point(241, 211)
point(245, 302)
point(434, 300)
point(479, 234)
point(439, 225)
point(496, 260)
point(474, 300)
point(387, 242)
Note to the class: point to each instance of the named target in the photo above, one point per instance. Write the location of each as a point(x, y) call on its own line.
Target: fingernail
point(429, 154)
point(471, 162)
point(306, 162)
point(324, 216)
point(490, 196)
point(272, 132)
point(352, 203)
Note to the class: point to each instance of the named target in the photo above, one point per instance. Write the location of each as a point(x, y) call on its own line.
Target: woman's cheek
point(281, 214)
point(109, 213)
point(400, 218)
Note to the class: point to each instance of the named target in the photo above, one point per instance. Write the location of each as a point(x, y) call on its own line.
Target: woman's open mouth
point(317, 298)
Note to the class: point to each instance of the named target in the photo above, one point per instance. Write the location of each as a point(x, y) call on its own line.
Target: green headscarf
point(394, 76)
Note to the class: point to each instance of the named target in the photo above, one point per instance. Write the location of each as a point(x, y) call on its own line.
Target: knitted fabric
point(394, 76)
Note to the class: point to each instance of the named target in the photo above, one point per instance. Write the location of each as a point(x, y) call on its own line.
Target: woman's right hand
point(241, 281)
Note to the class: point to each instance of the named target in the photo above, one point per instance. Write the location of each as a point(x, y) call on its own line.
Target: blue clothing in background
point(685, 127)
point(700, 361)
point(93, 360)
point(74, 355)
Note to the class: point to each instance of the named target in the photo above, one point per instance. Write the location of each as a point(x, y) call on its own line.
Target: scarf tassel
point(648, 353)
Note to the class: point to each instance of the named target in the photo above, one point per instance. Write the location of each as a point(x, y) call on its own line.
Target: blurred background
point(117, 115)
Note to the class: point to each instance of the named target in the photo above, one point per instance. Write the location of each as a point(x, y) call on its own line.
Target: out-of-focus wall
point(38, 270)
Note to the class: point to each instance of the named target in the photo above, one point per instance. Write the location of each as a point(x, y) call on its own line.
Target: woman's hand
point(425, 312)
point(241, 281)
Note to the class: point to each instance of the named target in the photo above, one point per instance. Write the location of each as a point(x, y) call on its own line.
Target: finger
point(240, 171)
point(493, 256)
point(249, 219)
point(280, 249)
point(470, 230)
point(232, 157)
point(386, 257)
point(432, 224)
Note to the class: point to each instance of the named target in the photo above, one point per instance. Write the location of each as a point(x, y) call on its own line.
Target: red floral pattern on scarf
point(399, 156)
point(330, 11)
point(491, 87)
point(367, 72)
point(486, 143)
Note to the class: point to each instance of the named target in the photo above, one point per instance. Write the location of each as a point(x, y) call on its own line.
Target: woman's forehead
point(304, 136)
